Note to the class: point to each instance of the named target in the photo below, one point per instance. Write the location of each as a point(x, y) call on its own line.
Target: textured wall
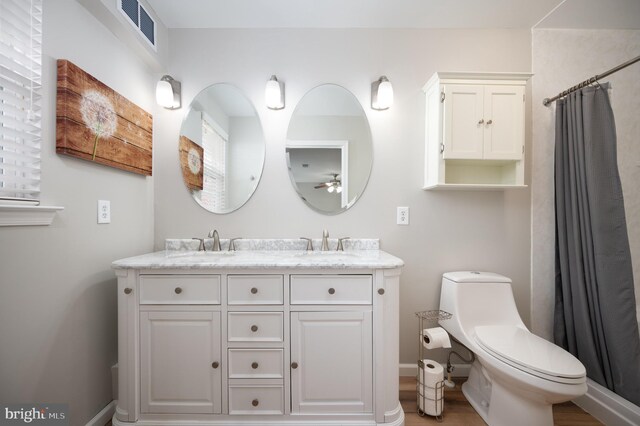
point(448, 231)
point(57, 290)
point(561, 59)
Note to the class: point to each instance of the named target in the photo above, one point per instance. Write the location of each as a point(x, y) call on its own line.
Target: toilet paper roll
point(430, 406)
point(431, 374)
point(430, 399)
point(436, 337)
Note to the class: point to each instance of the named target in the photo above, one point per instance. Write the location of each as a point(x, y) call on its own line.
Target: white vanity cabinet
point(331, 350)
point(332, 357)
point(234, 346)
point(475, 130)
point(180, 362)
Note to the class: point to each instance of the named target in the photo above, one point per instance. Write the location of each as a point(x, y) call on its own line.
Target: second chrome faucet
point(324, 246)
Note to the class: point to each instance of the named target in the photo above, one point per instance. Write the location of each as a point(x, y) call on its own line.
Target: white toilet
point(517, 375)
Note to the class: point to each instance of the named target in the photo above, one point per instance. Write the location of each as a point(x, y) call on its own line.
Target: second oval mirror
point(329, 150)
point(221, 149)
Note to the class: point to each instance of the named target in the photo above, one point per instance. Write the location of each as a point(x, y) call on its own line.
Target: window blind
point(213, 194)
point(20, 106)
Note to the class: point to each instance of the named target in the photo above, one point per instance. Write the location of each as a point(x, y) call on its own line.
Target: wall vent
point(140, 19)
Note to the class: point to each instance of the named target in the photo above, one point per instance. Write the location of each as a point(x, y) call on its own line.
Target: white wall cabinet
point(475, 131)
point(215, 347)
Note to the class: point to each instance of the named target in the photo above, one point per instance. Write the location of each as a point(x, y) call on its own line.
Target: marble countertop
point(272, 256)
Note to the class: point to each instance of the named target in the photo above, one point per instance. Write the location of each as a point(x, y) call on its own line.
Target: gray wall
point(561, 59)
point(448, 230)
point(57, 290)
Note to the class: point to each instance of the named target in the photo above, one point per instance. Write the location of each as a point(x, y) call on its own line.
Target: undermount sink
point(211, 254)
point(327, 253)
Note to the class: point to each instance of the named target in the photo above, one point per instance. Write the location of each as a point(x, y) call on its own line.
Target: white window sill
point(27, 215)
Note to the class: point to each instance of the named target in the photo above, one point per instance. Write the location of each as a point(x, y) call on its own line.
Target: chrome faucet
point(325, 240)
point(232, 243)
point(201, 245)
point(340, 244)
point(216, 240)
point(309, 243)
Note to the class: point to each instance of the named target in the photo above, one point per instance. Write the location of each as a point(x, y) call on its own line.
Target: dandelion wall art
point(95, 123)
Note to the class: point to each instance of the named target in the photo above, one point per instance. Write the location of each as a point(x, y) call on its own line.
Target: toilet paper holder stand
point(436, 400)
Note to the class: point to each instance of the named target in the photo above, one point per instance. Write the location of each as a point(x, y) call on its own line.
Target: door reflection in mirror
point(329, 149)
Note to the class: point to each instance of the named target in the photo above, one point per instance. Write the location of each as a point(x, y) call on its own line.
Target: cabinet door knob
point(178, 290)
point(254, 365)
point(332, 290)
point(481, 121)
point(254, 290)
point(254, 328)
point(490, 122)
point(128, 290)
point(255, 402)
point(294, 365)
point(215, 364)
point(381, 291)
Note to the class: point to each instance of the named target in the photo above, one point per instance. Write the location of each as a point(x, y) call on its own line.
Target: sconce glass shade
point(168, 93)
point(381, 94)
point(274, 94)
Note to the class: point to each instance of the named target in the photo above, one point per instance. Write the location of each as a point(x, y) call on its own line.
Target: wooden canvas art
point(192, 163)
point(95, 123)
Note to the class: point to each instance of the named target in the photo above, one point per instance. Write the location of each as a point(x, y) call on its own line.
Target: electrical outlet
point(403, 216)
point(104, 211)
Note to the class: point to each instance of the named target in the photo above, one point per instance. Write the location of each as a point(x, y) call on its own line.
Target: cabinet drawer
point(331, 289)
point(255, 399)
point(180, 289)
point(256, 363)
point(255, 327)
point(255, 289)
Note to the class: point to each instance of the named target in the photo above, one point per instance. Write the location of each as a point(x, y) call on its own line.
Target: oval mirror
point(329, 150)
point(221, 148)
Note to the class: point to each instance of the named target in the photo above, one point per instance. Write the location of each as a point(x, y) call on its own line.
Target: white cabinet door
point(504, 122)
point(331, 355)
point(463, 121)
point(180, 369)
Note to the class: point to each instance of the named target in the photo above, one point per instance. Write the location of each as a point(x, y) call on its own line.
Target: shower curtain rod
point(592, 80)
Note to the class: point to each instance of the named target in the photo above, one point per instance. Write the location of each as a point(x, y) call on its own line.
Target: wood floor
point(458, 412)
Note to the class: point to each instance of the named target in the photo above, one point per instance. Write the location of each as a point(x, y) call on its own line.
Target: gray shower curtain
point(595, 312)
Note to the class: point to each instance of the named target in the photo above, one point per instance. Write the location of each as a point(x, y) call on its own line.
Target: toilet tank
point(476, 298)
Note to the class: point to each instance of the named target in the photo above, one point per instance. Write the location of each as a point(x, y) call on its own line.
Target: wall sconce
point(168, 93)
point(381, 94)
point(274, 94)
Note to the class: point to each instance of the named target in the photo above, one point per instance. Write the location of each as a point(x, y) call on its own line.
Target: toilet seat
point(527, 352)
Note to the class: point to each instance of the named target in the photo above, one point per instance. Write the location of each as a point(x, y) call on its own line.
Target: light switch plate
point(104, 211)
point(403, 216)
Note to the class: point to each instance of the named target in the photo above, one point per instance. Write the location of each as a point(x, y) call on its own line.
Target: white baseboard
point(606, 406)
point(411, 370)
point(104, 415)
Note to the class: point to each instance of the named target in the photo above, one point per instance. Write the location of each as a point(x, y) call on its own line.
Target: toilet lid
point(529, 352)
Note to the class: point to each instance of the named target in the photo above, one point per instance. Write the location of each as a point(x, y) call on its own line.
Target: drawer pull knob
point(254, 328)
point(294, 365)
point(381, 291)
point(127, 290)
point(178, 290)
point(215, 364)
point(254, 365)
point(255, 402)
point(332, 290)
point(254, 290)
